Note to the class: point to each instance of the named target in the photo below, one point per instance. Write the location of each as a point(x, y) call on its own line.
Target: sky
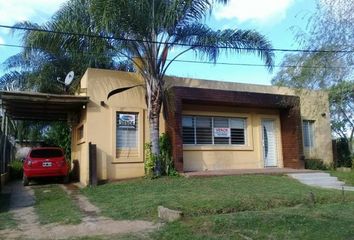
point(278, 20)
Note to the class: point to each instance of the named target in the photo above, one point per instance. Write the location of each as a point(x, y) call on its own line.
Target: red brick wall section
point(174, 130)
point(291, 133)
point(290, 118)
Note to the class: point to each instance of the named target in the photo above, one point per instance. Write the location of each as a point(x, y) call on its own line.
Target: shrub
point(166, 156)
point(344, 158)
point(149, 163)
point(167, 168)
point(315, 164)
point(16, 169)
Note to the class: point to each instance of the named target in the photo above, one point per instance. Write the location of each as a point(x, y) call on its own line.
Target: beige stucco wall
point(79, 146)
point(315, 107)
point(216, 157)
point(99, 124)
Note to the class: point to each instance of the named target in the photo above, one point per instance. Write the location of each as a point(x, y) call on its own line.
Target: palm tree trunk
point(154, 101)
point(155, 147)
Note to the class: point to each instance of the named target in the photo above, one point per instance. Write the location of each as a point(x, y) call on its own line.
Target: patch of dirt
point(98, 226)
point(92, 223)
point(86, 207)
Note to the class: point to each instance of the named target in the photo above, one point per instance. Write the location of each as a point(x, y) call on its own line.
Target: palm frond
point(15, 61)
point(13, 81)
point(209, 43)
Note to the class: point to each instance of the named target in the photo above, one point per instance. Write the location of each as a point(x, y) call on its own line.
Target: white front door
point(269, 143)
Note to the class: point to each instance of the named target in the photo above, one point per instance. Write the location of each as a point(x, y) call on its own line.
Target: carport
point(41, 106)
point(35, 107)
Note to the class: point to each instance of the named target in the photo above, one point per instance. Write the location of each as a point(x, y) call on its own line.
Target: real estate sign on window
point(127, 120)
point(222, 132)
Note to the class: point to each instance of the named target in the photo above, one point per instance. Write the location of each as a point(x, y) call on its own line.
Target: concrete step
point(348, 188)
point(326, 184)
point(337, 185)
point(309, 175)
point(314, 177)
point(327, 180)
point(320, 179)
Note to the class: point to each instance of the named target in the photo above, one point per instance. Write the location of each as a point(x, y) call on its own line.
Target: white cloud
point(253, 10)
point(12, 11)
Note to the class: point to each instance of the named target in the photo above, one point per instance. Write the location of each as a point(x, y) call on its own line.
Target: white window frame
point(308, 131)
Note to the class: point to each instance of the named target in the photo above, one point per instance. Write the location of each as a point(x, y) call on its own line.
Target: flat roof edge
point(6, 95)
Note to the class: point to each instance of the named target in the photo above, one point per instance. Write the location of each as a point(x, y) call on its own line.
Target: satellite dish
point(69, 78)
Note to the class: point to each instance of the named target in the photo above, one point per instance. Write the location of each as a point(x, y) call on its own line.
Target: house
point(212, 125)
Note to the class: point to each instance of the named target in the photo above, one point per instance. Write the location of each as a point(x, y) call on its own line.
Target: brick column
point(291, 133)
point(174, 130)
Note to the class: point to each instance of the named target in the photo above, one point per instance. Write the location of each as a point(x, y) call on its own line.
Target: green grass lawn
point(6, 218)
point(53, 205)
point(138, 199)
point(347, 177)
point(327, 221)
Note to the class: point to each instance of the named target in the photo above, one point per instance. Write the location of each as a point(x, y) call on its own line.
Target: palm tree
point(48, 55)
point(147, 30)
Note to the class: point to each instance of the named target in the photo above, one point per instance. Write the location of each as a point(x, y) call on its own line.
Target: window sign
point(222, 132)
point(127, 120)
point(127, 131)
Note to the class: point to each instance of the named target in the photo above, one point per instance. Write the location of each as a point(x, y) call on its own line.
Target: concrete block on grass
point(168, 215)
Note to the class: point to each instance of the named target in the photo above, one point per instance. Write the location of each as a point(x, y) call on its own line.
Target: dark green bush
point(315, 164)
point(167, 167)
point(344, 158)
point(16, 169)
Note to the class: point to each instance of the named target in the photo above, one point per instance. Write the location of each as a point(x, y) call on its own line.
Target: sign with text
point(222, 132)
point(127, 120)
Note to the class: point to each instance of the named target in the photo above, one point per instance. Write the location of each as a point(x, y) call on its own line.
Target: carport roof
point(41, 106)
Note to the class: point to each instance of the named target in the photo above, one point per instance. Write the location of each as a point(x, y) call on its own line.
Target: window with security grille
point(188, 130)
point(238, 127)
point(201, 130)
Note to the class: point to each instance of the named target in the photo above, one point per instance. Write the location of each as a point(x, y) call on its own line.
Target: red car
point(45, 162)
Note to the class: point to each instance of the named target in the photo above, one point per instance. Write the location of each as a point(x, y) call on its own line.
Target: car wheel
point(66, 179)
point(25, 181)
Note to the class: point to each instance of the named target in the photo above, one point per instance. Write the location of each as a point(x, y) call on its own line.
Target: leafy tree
point(149, 29)
point(341, 97)
point(332, 26)
point(58, 134)
point(313, 71)
point(25, 130)
point(330, 29)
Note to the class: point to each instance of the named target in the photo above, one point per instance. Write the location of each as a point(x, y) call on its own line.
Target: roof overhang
point(41, 106)
point(205, 96)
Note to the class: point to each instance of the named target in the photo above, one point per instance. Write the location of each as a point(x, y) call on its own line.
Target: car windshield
point(46, 153)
